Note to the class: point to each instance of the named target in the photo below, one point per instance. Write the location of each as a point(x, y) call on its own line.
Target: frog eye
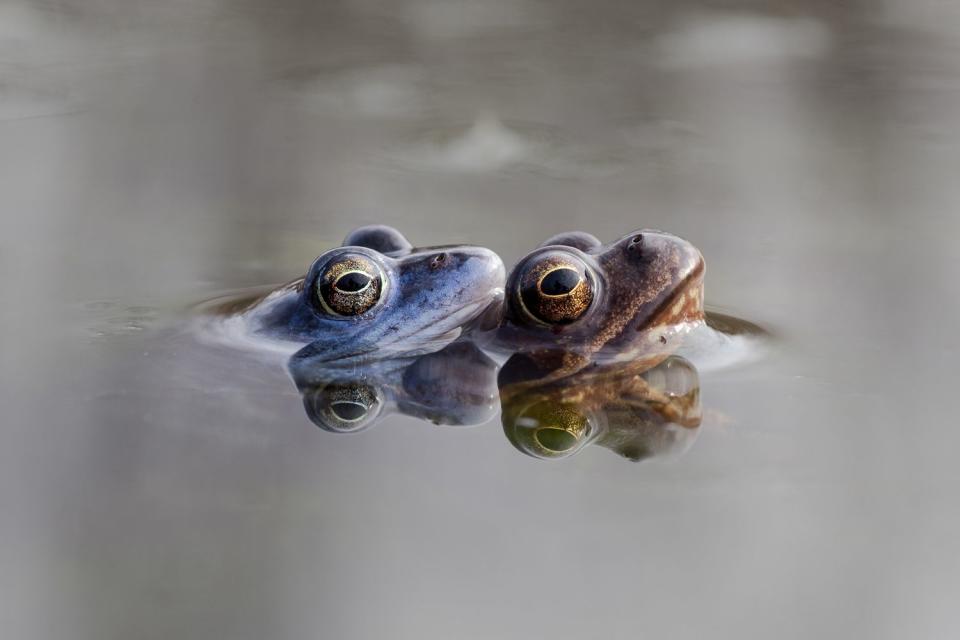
point(549, 429)
point(343, 407)
point(556, 289)
point(350, 286)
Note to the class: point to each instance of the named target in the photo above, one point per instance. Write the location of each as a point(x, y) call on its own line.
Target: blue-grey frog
point(376, 296)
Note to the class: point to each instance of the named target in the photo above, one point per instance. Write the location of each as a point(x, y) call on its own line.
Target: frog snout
point(485, 271)
point(688, 260)
point(495, 274)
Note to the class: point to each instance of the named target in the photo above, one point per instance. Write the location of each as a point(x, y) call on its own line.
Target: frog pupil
point(352, 282)
point(348, 411)
point(555, 439)
point(559, 282)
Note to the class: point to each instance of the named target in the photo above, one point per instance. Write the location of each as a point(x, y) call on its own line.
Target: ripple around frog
point(110, 319)
point(724, 342)
point(219, 321)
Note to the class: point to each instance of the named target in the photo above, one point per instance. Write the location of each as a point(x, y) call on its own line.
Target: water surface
point(153, 155)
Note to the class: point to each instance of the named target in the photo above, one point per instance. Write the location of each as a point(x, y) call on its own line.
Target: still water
point(155, 155)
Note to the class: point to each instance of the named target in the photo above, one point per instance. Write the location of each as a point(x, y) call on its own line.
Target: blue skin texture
point(424, 305)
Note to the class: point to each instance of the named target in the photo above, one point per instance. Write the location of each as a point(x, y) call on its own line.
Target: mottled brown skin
point(647, 292)
point(638, 413)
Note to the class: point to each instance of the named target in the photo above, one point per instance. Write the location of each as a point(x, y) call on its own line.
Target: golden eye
point(549, 429)
point(556, 290)
point(349, 287)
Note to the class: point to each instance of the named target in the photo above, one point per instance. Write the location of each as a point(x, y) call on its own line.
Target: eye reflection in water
point(454, 386)
point(635, 412)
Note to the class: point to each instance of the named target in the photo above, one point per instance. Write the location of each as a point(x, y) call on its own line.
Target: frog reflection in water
point(377, 296)
point(635, 412)
point(454, 386)
point(574, 301)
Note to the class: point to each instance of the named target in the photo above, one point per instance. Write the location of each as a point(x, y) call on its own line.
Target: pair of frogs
point(588, 330)
point(571, 302)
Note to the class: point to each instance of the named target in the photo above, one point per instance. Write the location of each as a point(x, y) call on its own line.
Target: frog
point(574, 301)
point(455, 386)
point(638, 412)
point(375, 296)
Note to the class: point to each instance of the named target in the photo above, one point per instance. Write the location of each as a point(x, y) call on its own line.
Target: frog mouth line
point(675, 309)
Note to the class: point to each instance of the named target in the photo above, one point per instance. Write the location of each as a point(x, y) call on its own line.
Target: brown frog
point(575, 301)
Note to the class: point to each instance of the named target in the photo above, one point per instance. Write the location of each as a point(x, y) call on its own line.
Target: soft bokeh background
point(154, 154)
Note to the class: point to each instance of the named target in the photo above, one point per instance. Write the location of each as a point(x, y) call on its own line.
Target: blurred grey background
point(155, 154)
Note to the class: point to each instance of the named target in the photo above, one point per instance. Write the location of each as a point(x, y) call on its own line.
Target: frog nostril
point(635, 244)
point(438, 260)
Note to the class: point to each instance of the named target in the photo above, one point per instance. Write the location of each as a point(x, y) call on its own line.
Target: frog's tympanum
point(574, 301)
point(454, 386)
point(634, 412)
point(376, 296)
